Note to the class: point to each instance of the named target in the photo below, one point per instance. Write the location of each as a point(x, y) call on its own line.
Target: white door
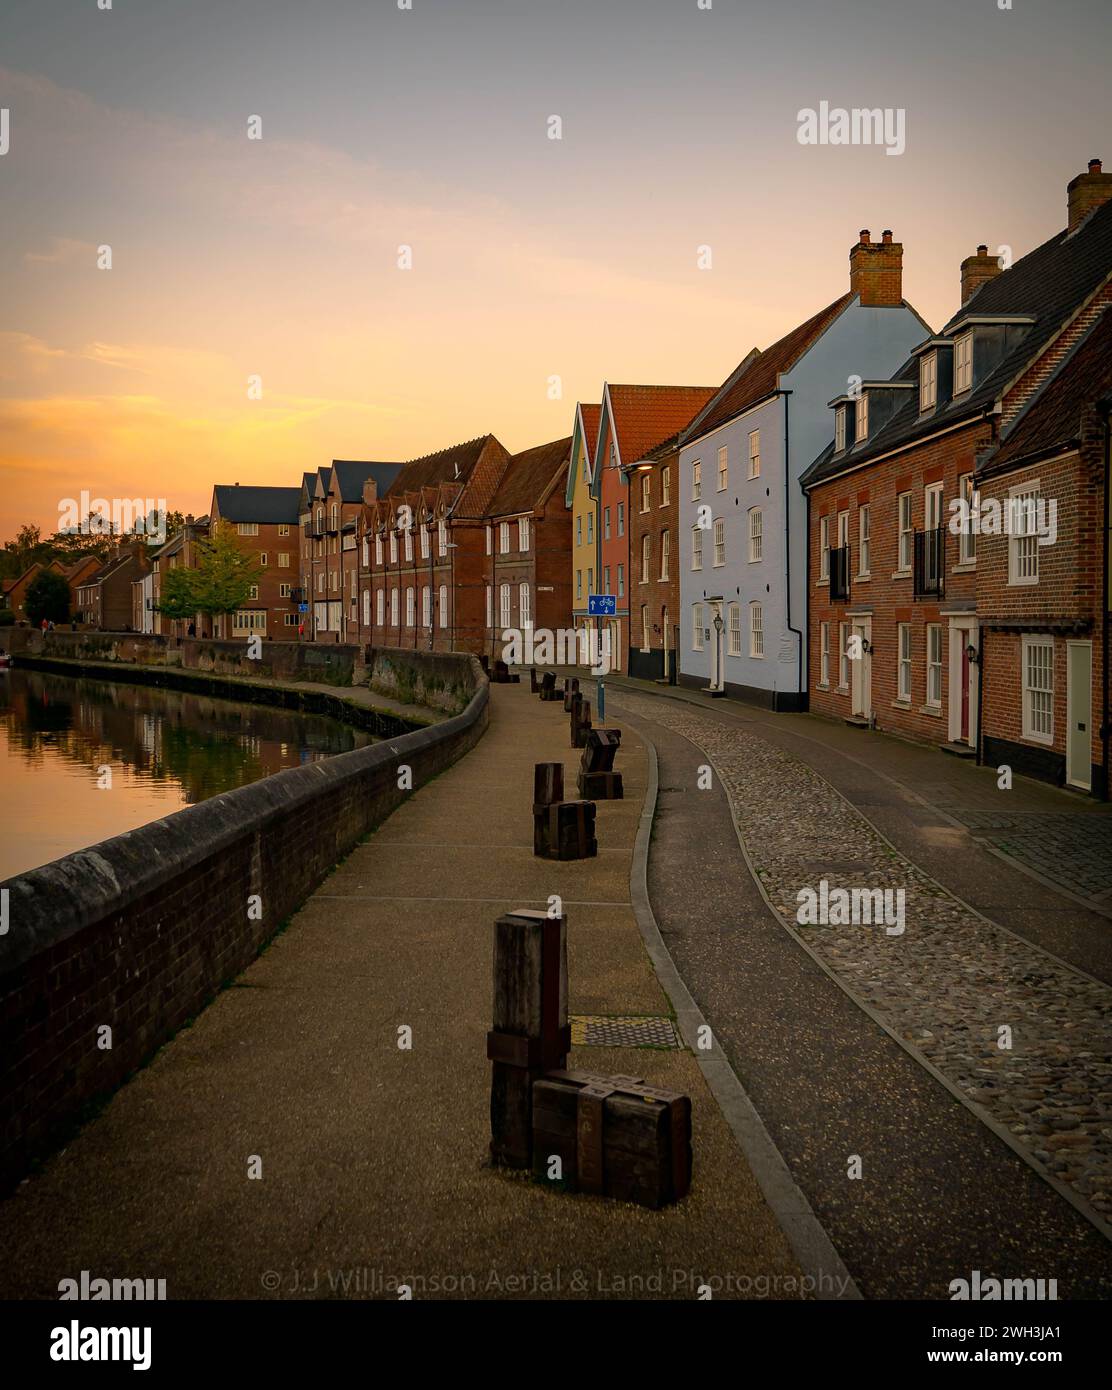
point(860, 675)
point(1079, 701)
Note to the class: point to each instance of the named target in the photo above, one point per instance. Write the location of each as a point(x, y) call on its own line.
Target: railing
point(930, 563)
point(839, 573)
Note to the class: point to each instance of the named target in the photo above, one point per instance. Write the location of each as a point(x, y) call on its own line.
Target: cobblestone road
point(951, 982)
point(1069, 848)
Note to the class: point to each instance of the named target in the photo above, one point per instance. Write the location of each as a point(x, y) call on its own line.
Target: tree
point(48, 596)
point(220, 583)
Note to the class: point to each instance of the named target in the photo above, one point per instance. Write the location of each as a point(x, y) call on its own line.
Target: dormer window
point(963, 363)
point(839, 429)
point(861, 419)
point(928, 381)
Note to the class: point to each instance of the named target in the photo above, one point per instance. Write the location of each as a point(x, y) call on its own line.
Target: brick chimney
point(1086, 193)
point(975, 270)
point(876, 271)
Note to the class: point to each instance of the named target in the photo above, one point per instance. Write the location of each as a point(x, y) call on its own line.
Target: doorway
point(1079, 700)
point(860, 681)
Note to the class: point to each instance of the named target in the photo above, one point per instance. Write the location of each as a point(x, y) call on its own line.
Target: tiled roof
point(757, 376)
point(590, 415)
point(1049, 284)
point(453, 464)
point(266, 505)
point(1052, 419)
point(349, 475)
point(529, 475)
point(644, 415)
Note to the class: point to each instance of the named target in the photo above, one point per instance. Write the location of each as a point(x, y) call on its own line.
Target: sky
point(276, 260)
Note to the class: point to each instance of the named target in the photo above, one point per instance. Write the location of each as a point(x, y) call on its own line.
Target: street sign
point(303, 608)
point(602, 605)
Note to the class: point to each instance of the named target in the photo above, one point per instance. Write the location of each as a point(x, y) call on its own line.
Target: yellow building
point(584, 512)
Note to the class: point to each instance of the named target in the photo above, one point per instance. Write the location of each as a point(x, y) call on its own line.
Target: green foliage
point(7, 617)
point(220, 583)
point(48, 596)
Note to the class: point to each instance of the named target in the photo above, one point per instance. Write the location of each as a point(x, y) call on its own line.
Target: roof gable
point(640, 417)
point(266, 506)
point(530, 477)
point(585, 432)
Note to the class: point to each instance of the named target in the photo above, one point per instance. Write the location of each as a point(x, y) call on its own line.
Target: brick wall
point(649, 589)
point(141, 932)
point(277, 660)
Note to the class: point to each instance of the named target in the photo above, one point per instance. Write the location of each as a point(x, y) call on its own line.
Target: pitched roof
point(757, 375)
point(642, 416)
point(453, 464)
point(1051, 421)
point(1049, 285)
point(591, 414)
point(529, 476)
point(266, 505)
point(349, 475)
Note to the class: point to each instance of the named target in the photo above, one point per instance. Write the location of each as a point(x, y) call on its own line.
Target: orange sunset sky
point(532, 257)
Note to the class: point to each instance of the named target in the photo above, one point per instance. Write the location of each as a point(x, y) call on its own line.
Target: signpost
point(602, 605)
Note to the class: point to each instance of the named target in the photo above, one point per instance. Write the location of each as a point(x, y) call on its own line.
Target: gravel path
point(952, 984)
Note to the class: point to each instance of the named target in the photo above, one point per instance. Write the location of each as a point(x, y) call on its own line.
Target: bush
point(7, 617)
point(48, 596)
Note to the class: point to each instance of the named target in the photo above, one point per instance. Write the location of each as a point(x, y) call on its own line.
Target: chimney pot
point(886, 237)
point(864, 235)
point(1086, 193)
point(982, 250)
point(876, 271)
point(1094, 166)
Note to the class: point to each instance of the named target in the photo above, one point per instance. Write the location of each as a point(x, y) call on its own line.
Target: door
point(1079, 700)
point(860, 693)
point(964, 732)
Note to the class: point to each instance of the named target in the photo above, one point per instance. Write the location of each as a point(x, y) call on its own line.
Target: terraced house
point(265, 523)
point(528, 534)
point(957, 520)
point(423, 551)
point(584, 512)
point(632, 421)
point(743, 576)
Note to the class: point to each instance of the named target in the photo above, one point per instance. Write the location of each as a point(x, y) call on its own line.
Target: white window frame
point(247, 528)
point(393, 547)
point(1023, 543)
point(665, 486)
point(426, 605)
point(755, 453)
point(903, 662)
point(646, 643)
point(824, 654)
point(839, 429)
point(756, 535)
point(442, 606)
point(378, 550)
point(696, 547)
point(505, 602)
point(696, 479)
point(1033, 716)
point(665, 553)
point(733, 629)
point(523, 533)
point(380, 607)
point(646, 557)
point(933, 640)
point(395, 606)
point(824, 548)
point(410, 605)
point(928, 381)
point(723, 468)
point(863, 557)
point(646, 491)
point(905, 532)
point(524, 605)
point(621, 519)
point(442, 537)
point(756, 631)
point(503, 538)
point(861, 418)
point(697, 627)
point(967, 540)
point(489, 605)
point(719, 542)
point(963, 363)
point(843, 656)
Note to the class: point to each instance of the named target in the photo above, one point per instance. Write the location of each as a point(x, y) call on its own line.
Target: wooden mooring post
point(530, 1033)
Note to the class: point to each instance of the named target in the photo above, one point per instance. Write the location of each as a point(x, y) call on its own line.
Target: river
point(82, 760)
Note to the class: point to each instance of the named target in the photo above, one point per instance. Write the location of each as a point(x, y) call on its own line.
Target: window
point(646, 558)
point(621, 518)
point(621, 581)
point(578, 583)
point(394, 607)
point(861, 420)
point(380, 607)
point(824, 547)
point(249, 620)
point(504, 538)
point(932, 507)
point(410, 608)
point(697, 627)
point(645, 644)
point(335, 512)
point(504, 605)
point(696, 547)
point(696, 480)
point(840, 429)
point(524, 606)
point(903, 674)
point(963, 363)
point(665, 548)
point(442, 537)
point(393, 547)
point(523, 533)
point(665, 486)
point(723, 470)
point(426, 606)
point(253, 591)
point(291, 619)
point(863, 540)
point(247, 528)
point(928, 380)
point(934, 664)
point(733, 630)
point(366, 607)
point(365, 554)
point(756, 534)
point(579, 530)
point(1023, 540)
point(606, 523)
point(424, 542)
point(320, 582)
point(843, 655)
point(967, 541)
point(489, 538)
point(754, 453)
point(756, 631)
point(646, 490)
point(285, 590)
point(442, 609)
point(1038, 689)
point(489, 605)
point(824, 653)
point(904, 503)
point(334, 581)
point(590, 527)
point(283, 528)
point(606, 589)
point(378, 550)
point(262, 557)
point(719, 541)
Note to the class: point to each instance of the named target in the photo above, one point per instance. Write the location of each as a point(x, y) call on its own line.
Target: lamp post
point(719, 683)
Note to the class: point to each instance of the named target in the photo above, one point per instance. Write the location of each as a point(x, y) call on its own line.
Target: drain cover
point(622, 1030)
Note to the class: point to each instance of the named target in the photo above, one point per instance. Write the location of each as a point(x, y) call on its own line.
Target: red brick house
point(265, 523)
point(654, 561)
point(896, 581)
point(180, 551)
point(104, 597)
point(15, 591)
point(422, 551)
point(528, 541)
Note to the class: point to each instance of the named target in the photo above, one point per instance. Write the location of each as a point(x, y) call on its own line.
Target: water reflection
point(165, 749)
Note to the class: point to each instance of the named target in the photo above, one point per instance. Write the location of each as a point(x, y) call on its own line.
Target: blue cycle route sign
point(602, 605)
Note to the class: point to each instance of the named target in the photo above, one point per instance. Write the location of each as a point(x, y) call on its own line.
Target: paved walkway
point(374, 1158)
point(940, 1193)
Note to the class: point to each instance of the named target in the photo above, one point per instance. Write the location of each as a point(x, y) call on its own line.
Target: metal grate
point(622, 1030)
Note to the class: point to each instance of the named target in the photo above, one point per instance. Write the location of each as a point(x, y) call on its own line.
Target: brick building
point(422, 554)
point(180, 551)
point(265, 523)
point(527, 541)
point(104, 598)
point(896, 580)
point(584, 512)
point(654, 562)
